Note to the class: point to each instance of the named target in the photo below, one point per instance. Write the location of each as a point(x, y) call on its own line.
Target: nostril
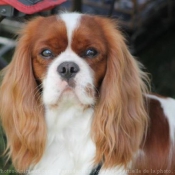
point(73, 70)
point(63, 70)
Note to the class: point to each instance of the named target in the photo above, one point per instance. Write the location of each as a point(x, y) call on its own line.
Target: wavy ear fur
point(20, 109)
point(120, 117)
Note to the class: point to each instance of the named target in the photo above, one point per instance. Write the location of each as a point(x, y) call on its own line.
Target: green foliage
point(6, 167)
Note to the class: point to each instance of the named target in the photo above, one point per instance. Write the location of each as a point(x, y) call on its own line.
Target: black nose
point(68, 70)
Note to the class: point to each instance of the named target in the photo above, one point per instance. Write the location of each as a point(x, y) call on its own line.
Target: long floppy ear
point(20, 109)
point(120, 117)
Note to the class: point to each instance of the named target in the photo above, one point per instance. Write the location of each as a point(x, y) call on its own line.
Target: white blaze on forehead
point(71, 21)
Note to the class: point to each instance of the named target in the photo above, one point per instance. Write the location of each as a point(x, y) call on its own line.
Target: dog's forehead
point(72, 22)
point(81, 29)
point(66, 27)
point(79, 26)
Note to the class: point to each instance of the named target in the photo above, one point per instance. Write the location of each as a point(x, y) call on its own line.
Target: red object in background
point(31, 6)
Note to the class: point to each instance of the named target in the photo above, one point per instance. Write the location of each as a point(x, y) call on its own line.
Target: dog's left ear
point(20, 109)
point(120, 117)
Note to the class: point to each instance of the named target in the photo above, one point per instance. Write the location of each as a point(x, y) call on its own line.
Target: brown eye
point(47, 54)
point(90, 53)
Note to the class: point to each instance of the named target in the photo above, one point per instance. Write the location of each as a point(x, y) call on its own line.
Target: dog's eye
point(90, 53)
point(46, 53)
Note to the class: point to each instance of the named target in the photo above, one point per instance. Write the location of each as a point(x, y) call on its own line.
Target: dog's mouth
point(71, 83)
point(68, 90)
point(69, 86)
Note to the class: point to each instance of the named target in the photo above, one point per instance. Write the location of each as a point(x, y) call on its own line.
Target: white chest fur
point(69, 148)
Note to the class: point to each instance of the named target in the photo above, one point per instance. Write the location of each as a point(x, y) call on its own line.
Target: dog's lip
point(68, 88)
point(69, 83)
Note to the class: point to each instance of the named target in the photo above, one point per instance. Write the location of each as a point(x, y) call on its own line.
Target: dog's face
point(69, 59)
point(83, 60)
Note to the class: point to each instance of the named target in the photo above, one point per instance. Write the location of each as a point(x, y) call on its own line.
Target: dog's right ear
point(20, 108)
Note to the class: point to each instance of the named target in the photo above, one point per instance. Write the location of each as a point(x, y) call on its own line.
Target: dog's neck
point(69, 149)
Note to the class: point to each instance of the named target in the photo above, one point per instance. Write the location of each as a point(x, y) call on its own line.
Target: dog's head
point(84, 60)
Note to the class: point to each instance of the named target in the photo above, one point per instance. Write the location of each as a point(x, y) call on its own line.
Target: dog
point(74, 100)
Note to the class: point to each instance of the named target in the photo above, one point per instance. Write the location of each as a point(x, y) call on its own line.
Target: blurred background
point(148, 25)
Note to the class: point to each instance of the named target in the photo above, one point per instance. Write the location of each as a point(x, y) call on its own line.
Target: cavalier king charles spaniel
point(74, 101)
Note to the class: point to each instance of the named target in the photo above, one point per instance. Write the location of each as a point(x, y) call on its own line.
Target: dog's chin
point(68, 94)
point(73, 97)
point(68, 97)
